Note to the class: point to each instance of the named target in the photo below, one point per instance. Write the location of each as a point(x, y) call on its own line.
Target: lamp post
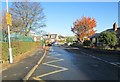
point(9, 42)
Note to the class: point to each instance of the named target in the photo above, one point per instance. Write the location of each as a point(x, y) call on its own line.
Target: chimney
point(115, 26)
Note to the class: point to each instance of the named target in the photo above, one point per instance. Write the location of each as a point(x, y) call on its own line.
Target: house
point(94, 39)
point(61, 37)
point(115, 28)
point(45, 36)
point(57, 38)
point(53, 38)
point(50, 38)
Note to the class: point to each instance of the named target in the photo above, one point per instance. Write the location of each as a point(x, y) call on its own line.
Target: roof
point(109, 30)
point(61, 36)
point(95, 35)
point(53, 34)
point(118, 30)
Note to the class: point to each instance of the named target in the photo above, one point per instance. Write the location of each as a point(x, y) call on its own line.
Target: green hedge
point(18, 48)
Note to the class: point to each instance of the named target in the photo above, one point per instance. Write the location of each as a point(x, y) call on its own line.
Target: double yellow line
point(34, 68)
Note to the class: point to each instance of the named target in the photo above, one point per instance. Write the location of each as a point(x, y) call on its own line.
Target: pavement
point(63, 65)
point(20, 69)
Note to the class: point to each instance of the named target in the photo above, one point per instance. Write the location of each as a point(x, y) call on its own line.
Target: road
point(60, 64)
point(19, 69)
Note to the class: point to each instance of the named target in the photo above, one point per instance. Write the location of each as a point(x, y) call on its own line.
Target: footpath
point(17, 71)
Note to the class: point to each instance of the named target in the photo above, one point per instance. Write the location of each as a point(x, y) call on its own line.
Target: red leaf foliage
point(84, 27)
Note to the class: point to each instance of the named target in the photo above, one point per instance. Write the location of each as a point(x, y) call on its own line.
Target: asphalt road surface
point(19, 69)
point(59, 64)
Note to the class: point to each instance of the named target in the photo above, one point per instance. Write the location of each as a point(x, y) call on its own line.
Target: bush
point(108, 38)
point(87, 43)
point(75, 44)
point(69, 40)
point(18, 48)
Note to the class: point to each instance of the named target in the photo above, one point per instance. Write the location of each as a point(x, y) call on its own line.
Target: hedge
point(18, 48)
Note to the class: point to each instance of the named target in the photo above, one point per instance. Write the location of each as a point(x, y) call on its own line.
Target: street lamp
point(8, 17)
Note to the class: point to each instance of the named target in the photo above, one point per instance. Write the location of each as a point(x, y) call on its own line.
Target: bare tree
point(27, 16)
point(4, 24)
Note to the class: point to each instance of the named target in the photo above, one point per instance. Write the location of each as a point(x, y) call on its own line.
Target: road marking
point(112, 63)
point(53, 56)
point(52, 65)
point(34, 68)
point(71, 48)
point(38, 79)
point(53, 61)
point(53, 72)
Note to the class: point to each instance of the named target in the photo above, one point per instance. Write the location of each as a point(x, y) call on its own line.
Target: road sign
point(9, 19)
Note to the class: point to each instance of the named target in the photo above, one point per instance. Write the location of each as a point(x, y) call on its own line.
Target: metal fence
point(16, 37)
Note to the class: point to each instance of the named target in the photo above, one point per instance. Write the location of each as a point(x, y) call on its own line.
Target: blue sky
point(61, 15)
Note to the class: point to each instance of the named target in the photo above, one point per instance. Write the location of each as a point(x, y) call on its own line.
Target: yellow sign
point(9, 19)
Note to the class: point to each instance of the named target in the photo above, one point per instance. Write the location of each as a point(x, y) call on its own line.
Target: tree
point(84, 27)
point(108, 38)
point(4, 25)
point(15, 28)
point(27, 16)
point(69, 40)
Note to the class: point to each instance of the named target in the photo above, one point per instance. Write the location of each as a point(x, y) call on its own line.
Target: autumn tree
point(84, 27)
point(27, 16)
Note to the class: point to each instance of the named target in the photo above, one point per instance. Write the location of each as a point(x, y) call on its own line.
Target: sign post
point(8, 19)
point(9, 23)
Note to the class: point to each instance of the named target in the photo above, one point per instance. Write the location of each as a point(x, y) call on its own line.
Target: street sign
point(9, 19)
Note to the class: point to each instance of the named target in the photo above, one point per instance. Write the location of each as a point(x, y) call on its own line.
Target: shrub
point(18, 48)
point(108, 38)
point(87, 43)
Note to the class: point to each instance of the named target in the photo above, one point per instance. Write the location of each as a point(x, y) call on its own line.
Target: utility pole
point(8, 17)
